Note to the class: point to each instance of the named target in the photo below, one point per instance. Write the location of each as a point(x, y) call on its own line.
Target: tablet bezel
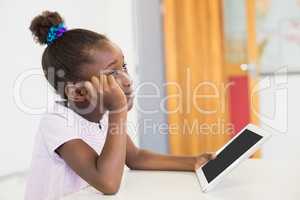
point(200, 174)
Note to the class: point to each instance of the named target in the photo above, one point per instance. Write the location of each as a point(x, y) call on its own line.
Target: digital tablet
point(239, 148)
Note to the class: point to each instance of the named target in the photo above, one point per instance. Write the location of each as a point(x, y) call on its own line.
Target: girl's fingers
point(208, 156)
point(96, 82)
point(112, 81)
point(92, 93)
point(103, 81)
point(214, 156)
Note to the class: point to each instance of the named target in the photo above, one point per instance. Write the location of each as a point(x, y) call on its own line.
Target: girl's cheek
point(119, 81)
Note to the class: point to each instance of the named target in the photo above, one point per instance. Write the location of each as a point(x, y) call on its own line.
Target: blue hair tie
point(55, 32)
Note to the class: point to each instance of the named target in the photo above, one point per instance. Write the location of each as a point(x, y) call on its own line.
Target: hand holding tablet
point(239, 148)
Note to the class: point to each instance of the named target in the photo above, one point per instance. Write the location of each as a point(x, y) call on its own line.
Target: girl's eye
point(114, 72)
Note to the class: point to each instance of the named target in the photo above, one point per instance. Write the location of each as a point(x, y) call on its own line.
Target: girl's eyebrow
point(114, 62)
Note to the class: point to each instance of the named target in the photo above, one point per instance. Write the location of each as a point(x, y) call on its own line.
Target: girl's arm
point(104, 171)
point(139, 159)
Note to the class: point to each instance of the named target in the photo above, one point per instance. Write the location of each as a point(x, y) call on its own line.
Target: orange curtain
point(252, 59)
point(252, 56)
point(198, 77)
point(197, 88)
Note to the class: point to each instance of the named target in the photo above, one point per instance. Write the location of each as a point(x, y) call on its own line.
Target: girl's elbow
point(109, 187)
point(132, 165)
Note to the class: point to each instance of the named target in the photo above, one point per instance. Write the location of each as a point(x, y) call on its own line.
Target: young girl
point(85, 141)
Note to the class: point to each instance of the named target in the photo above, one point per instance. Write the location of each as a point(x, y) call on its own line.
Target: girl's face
point(110, 60)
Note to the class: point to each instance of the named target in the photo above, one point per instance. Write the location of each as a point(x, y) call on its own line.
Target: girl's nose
point(125, 80)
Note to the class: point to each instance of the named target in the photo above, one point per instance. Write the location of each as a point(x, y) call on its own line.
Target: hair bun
point(41, 24)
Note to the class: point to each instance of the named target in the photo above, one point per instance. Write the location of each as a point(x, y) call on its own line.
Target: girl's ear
point(75, 92)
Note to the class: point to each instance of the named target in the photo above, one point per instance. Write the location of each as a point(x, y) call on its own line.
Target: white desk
point(253, 180)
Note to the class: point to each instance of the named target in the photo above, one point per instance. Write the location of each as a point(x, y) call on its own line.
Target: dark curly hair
point(66, 54)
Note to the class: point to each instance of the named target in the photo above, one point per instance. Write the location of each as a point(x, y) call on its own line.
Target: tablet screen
point(230, 153)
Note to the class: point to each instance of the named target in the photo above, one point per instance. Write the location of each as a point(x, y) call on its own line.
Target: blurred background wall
point(266, 33)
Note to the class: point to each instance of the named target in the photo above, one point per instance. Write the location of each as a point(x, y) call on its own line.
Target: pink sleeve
point(57, 130)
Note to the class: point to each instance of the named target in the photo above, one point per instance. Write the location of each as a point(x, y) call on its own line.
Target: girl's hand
point(105, 93)
point(203, 158)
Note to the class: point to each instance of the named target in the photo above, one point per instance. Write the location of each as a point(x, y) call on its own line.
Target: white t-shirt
point(50, 177)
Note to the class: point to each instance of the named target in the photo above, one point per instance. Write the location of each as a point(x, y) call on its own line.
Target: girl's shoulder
point(64, 118)
point(62, 112)
point(62, 124)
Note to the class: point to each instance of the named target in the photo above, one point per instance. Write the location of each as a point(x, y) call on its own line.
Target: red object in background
point(239, 106)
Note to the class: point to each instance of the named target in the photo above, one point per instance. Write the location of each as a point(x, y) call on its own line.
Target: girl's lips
point(129, 94)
